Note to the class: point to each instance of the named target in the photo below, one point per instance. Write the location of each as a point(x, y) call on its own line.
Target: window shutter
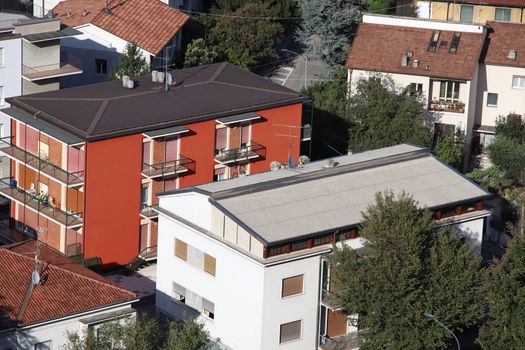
point(181, 249)
point(292, 285)
point(290, 331)
point(209, 264)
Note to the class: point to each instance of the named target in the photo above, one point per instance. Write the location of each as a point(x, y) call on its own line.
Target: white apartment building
point(246, 256)
point(467, 74)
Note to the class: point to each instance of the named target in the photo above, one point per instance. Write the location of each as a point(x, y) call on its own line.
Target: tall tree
point(380, 116)
point(328, 27)
point(188, 335)
point(198, 54)
point(131, 63)
point(404, 270)
point(504, 287)
point(449, 148)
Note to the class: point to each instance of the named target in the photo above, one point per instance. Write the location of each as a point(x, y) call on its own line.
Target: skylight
point(455, 42)
point(434, 41)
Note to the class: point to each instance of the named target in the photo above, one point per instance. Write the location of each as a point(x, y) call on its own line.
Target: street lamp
point(305, 63)
point(429, 315)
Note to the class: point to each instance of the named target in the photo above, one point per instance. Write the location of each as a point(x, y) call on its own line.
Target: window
point(492, 99)
point(502, 14)
point(2, 62)
point(43, 150)
point(292, 285)
point(518, 82)
point(101, 66)
point(178, 293)
point(144, 195)
point(299, 245)
point(43, 346)
point(209, 264)
point(433, 41)
point(208, 308)
point(2, 99)
point(449, 91)
point(276, 250)
point(221, 139)
point(415, 89)
point(321, 240)
point(467, 13)
point(219, 174)
point(181, 249)
point(290, 331)
point(455, 42)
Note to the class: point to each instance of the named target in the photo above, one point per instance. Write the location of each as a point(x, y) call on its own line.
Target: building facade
point(247, 256)
point(88, 161)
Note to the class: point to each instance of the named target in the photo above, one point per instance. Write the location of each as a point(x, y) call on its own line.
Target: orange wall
point(266, 134)
point(112, 194)
point(199, 145)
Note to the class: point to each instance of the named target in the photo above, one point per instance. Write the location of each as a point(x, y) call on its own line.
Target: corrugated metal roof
point(327, 199)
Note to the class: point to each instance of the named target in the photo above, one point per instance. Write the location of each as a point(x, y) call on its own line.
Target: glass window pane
point(467, 13)
point(503, 14)
point(449, 90)
point(456, 90)
point(442, 89)
point(492, 99)
point(220, 138)
point(290, 331)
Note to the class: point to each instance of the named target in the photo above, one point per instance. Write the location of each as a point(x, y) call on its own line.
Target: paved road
point(292, 75)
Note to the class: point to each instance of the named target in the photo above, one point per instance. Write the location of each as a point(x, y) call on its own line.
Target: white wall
point(498, 79)
point(55, 331)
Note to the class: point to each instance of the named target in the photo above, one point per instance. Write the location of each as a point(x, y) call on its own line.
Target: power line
point(326, 144)
point(243, 17)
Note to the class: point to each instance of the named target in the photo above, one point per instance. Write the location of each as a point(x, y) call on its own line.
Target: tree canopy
point(198, 54)
point(142, 333)
point(507, 150)
point(504, 287)
point(405, 269)
point(381, 116)
point(131, 63)
point(328, 27)
point(450, 148)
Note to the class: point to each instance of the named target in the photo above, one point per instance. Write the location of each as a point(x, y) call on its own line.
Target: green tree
point(328, 27)
point(504, 287)
point(198, 54)
point(131, 63)
point(450, 148)
point(380, 116)
point(141, 333)
point(386, 7)
point(404, 270)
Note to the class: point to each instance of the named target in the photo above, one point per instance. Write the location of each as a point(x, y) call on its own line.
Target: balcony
point(9, 189)
point(328, 299)
point(40, 165)
point(170, 168)
point(447, 106)
point(148, 213)
point(349, 341)
point(69, 65)
point(250, 151)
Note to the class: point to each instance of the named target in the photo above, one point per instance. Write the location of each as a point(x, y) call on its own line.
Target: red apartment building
point(88, 161)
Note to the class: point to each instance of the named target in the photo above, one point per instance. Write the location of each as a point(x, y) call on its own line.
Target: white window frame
point(520, 80)
point(460, 10)
point(502, 9)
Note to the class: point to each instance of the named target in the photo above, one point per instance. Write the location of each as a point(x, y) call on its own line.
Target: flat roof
point(58, 34)
point(106, 110)
point(287, 204)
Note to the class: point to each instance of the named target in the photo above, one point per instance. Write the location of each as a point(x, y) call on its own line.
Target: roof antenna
point(106, 8)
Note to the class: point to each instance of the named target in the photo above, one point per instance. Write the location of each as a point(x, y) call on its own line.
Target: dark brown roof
point(509, 3)
point(66, 288)
point(149, 24)
point(107, 110)
point(380, 48)
point(502, 38)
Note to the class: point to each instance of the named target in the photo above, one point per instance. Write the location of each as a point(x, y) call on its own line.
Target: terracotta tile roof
point(380, 48)
point(502, 38)
point(151, 24)
point(65, 288)
point(511, 3)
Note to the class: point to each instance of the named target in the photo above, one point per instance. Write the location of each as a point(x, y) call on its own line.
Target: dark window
point(455, 43)
point(492, 99)
point(415, 89)
point(443, 44)
point(433, 41)
point(299, 245)
point(502, 14)
point(276, 250)
point(321, 240)
point(101, 66)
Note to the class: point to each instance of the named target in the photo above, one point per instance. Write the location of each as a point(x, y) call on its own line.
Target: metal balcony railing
point(38, 164)
point(39, 203)
point(447, 106)
point(147, 212)
point(66, 66)
point(344, 342)
point(252, 150)
point(172, 167)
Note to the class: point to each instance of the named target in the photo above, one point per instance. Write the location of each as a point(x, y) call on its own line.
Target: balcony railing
point(447, 106)
point(68, 65)
point(250, 151)
point(147, 212)
point(40, 204)
point(181, 165)
point(38, 164)
point(328, 298)
point(345, 342)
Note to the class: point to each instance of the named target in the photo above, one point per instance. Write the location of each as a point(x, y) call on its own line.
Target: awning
point(175, 130)
point(238, 118)
point(58, 34)
point(486, 129)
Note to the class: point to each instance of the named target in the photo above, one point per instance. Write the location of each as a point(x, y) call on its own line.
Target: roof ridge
point(49, 265)
point(256, 89)
point(218, 72)
point(98, 116)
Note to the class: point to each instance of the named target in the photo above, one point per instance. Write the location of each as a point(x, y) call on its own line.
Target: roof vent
point(512, 55)
point(415, 63)
point(154, 76)
point(427, 66)
point(130, 84)
point(68, 13)
point(84, 12)
point(275, 165)
point(330, 163)
point(304, 160)
point(404, 60)
point(409, 54)
point(125, 80)
point(106, 8)
point(160, 77)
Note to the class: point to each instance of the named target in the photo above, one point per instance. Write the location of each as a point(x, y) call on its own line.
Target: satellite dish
point(169, 79)
point(304, 159)
point(35, 277)
point(275, 165)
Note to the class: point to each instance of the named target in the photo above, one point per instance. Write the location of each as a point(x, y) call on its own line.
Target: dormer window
point(455, 42)
point(434, 41)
